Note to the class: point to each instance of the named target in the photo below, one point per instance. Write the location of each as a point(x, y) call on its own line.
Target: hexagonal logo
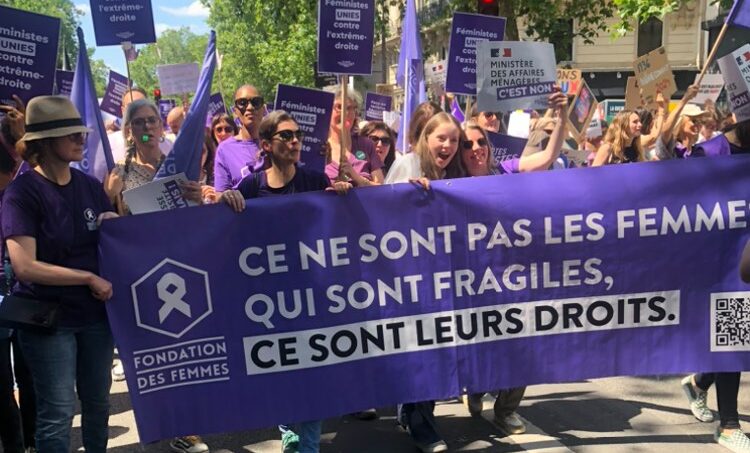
point(171, 298)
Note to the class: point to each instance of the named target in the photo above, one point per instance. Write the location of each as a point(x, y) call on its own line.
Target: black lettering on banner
point(572, 315)
point(512, 316)
point(462, 334)
point(255, 354)
point(636, 302)
point(491, 320)
point(655, 305)
point(591, 313)
point(367, 338)
point(335, 344)
point(395, 328)
point(315, 344)
point(421, 340)
point(442, 329)
point(539, 310)
point(286, 349)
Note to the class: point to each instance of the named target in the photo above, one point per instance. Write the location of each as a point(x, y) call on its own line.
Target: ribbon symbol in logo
point(171, 290)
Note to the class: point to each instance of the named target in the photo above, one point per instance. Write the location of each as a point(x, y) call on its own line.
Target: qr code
point(730, 322)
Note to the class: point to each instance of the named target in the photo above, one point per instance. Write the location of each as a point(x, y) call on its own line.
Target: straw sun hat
point(52, 116)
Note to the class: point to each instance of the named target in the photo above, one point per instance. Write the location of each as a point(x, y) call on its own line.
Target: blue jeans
point(309, 435)
point(419, 419)
point(61, 363)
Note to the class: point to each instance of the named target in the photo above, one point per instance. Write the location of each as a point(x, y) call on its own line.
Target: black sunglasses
point(469, 144)
point(242, 103)
point(384, 140)
point(489, 115)
point(287, 135)
point(223, 129)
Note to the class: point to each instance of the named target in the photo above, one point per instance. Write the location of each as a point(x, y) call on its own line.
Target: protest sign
point(346, 31)
point(165, 106)
point(312, 110)
point(632, 94)
point(735, 68)
point(376, 104)
point(582, 109)
point(568, 80)
point(435, 73)
point(393, 120)
point(216, 106)
point(654, 74)
point(519, 124)
point(118, 21)
point(505, 147)
point(710, 88)
point(28, 54)
point(595, 128)
point(612, 107)
point(467, 30)
point(514, 75)
point(116, 88)
point(481, 272)
point(64, 82)
point(178, 78)
point(158, 195)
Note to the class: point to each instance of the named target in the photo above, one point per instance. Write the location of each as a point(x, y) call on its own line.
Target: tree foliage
point(171, 47)
point(639, 11)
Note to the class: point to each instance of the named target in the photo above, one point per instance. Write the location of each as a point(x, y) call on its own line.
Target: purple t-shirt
point(62, 219)
point(717, 146)
point(364, 159)
point(256, 185)
point(235, 159)
point(511, 165)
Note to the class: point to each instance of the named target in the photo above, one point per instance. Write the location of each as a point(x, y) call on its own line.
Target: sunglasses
point(257, 102)
point(140, 123)
point(222, 129)
point(384, 140)
point(288, 135)
point(469, 144)
point(78, 138)
point(489, 115)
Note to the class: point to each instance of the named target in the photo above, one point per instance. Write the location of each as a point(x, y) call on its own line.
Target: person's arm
point(602, 155)
point(222, 179)
point(22, 252)
point(543, 159)
point(745, 264)
point(668, 126)
point(662, 106)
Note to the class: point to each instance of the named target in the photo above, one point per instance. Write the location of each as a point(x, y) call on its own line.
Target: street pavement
point(623, 414)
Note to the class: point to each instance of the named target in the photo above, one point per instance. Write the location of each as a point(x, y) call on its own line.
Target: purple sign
point(118, 21)
point(505, 147)
point(216, 106)
point(376, 104)
point(28, 54)
point(481, 271)
point(345, 36)
point(466, 31)
point(116, 88)
point(165, 106)
point(312, 109)
point(64, 82)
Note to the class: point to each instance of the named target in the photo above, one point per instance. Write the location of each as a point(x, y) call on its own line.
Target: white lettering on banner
point(18, 47)
point(345, 343)
point(305, 118)
point(349, 15)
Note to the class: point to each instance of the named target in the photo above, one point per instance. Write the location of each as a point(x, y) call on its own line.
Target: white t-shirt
point(403, 169)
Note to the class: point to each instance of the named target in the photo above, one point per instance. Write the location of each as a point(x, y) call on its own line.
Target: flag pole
point(712, 55)
point(343, 138)
point(126, 45)
point(467, 115)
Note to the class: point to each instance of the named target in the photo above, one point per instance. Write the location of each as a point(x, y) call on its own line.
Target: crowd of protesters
point(50, 249)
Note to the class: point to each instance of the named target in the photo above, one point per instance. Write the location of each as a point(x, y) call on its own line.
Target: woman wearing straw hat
point(50, 223)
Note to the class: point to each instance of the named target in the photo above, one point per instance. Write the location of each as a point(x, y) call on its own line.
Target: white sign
point(595, 128)
point(710, 88)
point(434, 73)
point(160, 195)
point(519, 124)
point(514, 75)
point(735, 68)
point(178, 78)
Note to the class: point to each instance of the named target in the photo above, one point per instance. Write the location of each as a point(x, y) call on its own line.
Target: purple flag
point(97, 156)
point(410, 74)
point(456, 111)
point(188, 147)
point(740, 14)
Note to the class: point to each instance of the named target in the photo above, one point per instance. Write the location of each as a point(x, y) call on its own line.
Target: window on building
point(649, 35)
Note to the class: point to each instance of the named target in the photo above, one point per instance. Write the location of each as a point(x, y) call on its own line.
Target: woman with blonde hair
point(622, 143)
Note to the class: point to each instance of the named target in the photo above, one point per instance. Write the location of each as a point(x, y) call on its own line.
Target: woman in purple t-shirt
point(50, 222)
point(362, 166)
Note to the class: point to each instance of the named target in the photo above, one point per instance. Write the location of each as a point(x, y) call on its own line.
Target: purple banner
point(312, 109)
point(165, 106)
point(112, 100)
point(346, 30)
point(28, 54)
point(64, 82)
point(117, 21)
point(376, 104)
point(505, 147)
point(466, 30)
point(216, 106)
point(277, 316)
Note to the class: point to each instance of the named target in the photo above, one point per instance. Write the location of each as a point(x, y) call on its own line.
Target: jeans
point(61, 363)
point(507, 401)
point(16, 428)
point(727, 391)
point(419, 418)
point(309, 435)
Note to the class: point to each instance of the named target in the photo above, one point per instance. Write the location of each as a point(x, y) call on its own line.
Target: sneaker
point(434, 447)
point(118, 372)
point(697, 399)
point(738, 442)
point(474, 403)
point(289, 442)
point(366, 415)
point(188, 444)
point(511, 424)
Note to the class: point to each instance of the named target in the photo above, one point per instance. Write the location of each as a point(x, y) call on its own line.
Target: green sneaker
point(738, 442)
point(289, 442)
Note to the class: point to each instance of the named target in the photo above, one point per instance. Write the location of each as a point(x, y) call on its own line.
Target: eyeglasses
point(349, 108)
point(469, 144)
point(140, 123)
point(384, 140)
point(287, 135)
point(222, 129)
point(257, 102)
point(78, 138)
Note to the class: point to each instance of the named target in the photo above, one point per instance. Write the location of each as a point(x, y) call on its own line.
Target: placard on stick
point(569, 80)
point(654, 74)
point(582, 109)
point(118, 21)
point(735, 68)
point(176, 79)
point(345, 36)
point(632, 95)
point(467, 30)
